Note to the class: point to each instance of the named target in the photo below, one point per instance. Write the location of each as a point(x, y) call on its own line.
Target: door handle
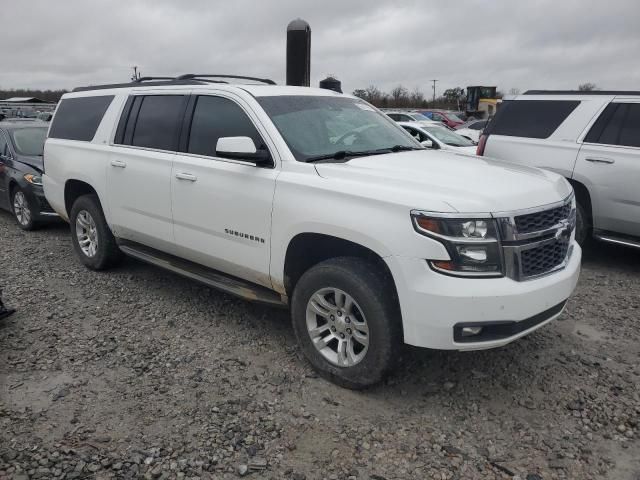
point(118, 163)
point(186, 176)
point(608, 161)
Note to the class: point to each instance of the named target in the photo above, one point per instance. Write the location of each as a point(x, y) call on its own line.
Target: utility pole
point(434, 90)
point(136, 74)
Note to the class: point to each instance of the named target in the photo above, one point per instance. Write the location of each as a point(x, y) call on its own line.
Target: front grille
point(542, 259)
point(538, 221)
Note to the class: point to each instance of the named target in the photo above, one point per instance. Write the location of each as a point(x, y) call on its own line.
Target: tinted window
point(394, 116)
point(216, 117)
point(78, 118)
point(630, 133)
point(619, 124)
point(157, 125)
point(530, 118)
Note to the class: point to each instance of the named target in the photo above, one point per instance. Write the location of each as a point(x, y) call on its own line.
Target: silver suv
point(592, 139)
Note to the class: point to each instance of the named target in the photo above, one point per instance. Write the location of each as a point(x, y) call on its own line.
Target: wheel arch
point(73, 189)
point(307, 249)
point(583, 197)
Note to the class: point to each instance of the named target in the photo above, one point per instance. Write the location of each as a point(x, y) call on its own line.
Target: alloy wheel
point(21, 208)
point(337, 327)
point(87, 233)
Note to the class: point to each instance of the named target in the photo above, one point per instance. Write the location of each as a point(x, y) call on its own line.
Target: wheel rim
point(21, 208)
point(337, 327)
point(87, 233)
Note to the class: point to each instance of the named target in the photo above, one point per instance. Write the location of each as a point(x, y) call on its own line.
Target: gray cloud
point(537, 44)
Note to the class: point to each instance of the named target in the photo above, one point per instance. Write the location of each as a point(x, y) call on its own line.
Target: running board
point(212, 278)
point(629, 242)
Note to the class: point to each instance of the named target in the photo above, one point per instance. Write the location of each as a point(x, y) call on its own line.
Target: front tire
point(583, 225)
point(346, 318)
point(91, 236)
point(22, 210)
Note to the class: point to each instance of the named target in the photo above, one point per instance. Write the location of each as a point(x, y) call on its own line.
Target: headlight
point(472, 244)
point(33, 179)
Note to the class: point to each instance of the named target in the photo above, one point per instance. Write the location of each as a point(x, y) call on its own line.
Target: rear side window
point(619, 124)
point(215, 117)
point(530, 118)
point(158, 121)
point(78, 118)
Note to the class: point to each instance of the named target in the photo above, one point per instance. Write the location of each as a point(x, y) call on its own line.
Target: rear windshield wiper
point(343, 154)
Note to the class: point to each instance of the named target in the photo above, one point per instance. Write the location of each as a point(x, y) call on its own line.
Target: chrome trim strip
point(49, 214)
point(470, 216)
point(526, 211)
point(617, 241)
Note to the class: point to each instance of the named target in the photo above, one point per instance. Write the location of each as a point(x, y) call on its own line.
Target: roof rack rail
point(198, 76)
point(581, 92)
point(147, 79)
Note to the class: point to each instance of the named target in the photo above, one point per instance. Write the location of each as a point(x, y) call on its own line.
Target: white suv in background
point(590, 138)
point(316, 200)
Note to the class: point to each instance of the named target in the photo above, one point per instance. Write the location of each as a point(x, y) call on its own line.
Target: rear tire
point(92, 238)
point(349, 307)
point(22, 210)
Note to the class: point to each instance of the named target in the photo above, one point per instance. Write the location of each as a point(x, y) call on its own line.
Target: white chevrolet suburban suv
point(590, 138)
point(316, 200)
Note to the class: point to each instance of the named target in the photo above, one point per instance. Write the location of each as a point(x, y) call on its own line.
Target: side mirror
point(427, 143)
point(242, 148)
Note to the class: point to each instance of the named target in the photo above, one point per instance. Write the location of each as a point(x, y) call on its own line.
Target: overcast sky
point(511, 44)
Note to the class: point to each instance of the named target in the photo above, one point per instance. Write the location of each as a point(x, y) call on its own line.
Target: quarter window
point(216, 117)
point(157, 123)
point(530, 118)
point(79, 118)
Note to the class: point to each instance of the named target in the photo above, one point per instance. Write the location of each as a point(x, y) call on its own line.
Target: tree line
point(402, 97)
point(46, 95)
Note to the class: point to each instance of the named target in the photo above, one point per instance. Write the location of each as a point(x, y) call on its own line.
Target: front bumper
point(41, 209)
point(435, 306)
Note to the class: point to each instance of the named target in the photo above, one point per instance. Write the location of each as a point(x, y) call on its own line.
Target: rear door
point(609, 164)
point(139, 169)
point(222, 207)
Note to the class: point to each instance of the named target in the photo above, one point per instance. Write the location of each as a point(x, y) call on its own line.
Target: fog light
point(471, 331)
point(475, 254)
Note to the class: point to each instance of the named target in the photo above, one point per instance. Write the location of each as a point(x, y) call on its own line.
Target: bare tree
point(514, 91)
point(587, 87)
point(417, 98)
point(400, 96)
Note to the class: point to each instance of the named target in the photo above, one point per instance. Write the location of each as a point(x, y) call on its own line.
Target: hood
point(471, 150)
point(446, 181)
point(33, 161)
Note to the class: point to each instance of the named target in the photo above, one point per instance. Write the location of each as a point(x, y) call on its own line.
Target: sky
point(512, 44)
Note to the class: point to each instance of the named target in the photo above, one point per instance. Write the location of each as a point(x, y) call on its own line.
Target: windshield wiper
point(403, 148)
point(343, 154)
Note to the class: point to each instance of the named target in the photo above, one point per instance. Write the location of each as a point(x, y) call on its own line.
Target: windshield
point(29, 141)
point(315, 126)
point(453, 117)
point(448, 137)
point(418, 117)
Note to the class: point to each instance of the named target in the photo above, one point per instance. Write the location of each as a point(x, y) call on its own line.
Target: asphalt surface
point(139, 373)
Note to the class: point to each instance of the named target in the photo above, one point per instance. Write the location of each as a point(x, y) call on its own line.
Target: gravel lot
point(139, 373)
